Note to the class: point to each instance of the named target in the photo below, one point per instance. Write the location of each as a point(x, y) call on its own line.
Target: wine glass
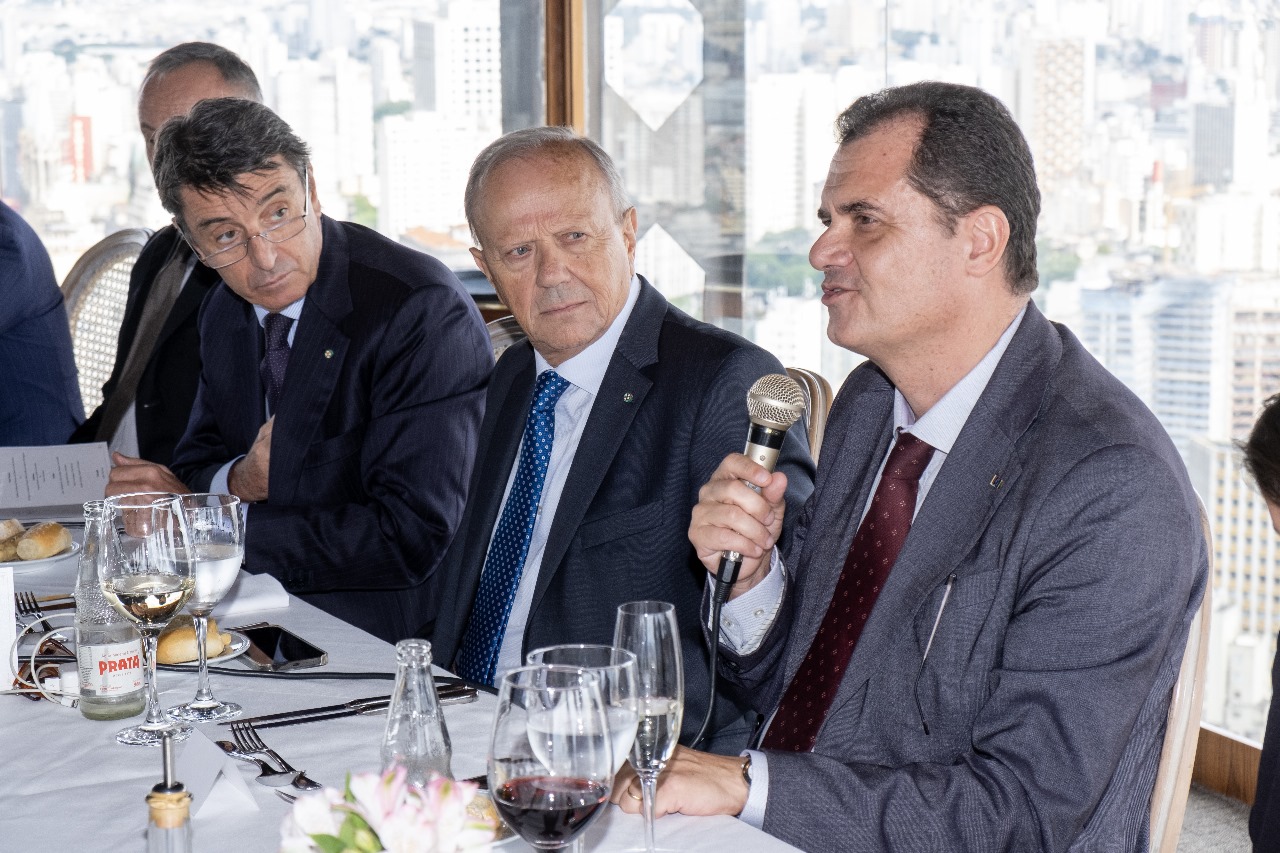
point(213, 544)
point(648, 628)
point(144, 580)
point(616, 670)
point(550, 759)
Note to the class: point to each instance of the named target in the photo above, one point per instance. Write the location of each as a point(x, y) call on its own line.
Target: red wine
point(548, 811)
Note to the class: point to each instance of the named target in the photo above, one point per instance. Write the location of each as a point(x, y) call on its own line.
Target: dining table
point(65, 784)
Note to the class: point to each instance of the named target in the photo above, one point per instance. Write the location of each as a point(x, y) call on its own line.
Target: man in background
point(342, 379)
point(599, 429)
point(39, 392)
point(152, 387)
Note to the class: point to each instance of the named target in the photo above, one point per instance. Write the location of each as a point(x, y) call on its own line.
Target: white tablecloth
point(65, 784)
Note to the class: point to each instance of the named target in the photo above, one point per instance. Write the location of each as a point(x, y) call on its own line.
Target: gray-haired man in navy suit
point(598, 430)
point(970, 641)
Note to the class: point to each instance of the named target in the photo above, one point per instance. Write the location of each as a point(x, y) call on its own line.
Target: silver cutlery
point(268, 776)
point(449, 694)
point(28, 605)
point(247, 739)
point(286, 796)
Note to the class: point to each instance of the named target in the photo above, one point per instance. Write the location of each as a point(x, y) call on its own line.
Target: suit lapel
point(201, 280)
point(981, 469)
point(315, 363)
point(621, 395)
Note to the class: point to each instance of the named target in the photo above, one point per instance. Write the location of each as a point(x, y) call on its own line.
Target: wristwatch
point(746, 770)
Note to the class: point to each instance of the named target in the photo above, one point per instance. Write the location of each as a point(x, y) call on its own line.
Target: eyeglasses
point(278, 233)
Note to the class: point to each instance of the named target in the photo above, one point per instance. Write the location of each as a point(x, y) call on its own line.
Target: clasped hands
point(247, 479)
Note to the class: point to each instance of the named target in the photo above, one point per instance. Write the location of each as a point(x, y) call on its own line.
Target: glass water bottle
point(416, 737)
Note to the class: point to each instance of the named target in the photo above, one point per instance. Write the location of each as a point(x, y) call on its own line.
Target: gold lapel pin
point(996, 481)
point(328, 353)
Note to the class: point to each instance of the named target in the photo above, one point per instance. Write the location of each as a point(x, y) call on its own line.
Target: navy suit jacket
point(40, 395)
point(672, 405)
point(1066, 518)
point(167, 387)
point(376, 429)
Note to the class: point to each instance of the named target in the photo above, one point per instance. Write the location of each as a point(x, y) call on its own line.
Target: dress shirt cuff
point(752, 813)
point(218, 485)
point(746, 619)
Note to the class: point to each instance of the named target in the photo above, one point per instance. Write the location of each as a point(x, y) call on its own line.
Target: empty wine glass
point(213, 544)
point(648, 629)
point(146, 581)
point(550, 758)
point(616, 669)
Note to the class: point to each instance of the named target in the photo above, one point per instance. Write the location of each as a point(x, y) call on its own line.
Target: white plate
point(20, 566)
point(239, 645)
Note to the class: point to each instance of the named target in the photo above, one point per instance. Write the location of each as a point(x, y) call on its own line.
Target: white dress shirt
point(747, 618)
point(584, 372)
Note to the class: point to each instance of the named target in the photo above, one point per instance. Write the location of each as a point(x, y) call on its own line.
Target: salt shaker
point(416, 738)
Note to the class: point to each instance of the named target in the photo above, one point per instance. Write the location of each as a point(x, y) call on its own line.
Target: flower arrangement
point(384, 813)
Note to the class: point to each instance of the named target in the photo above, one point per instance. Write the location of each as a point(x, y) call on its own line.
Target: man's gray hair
point(234, 70)
point(221, 139)
point(533, 141)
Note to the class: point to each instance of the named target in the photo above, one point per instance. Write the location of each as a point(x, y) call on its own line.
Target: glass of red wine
point(551, 757)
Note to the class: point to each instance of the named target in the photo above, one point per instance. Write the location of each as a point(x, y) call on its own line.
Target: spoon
point(267, 775)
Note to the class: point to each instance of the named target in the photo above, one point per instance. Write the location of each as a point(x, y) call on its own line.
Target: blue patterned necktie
point(276, 359)
point(477, 658)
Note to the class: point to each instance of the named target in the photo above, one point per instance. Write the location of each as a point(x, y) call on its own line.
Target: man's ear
point(986, 231)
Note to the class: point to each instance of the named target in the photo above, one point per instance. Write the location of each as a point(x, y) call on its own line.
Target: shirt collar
point(586, 369)
point(941, 425)
point(293, 311)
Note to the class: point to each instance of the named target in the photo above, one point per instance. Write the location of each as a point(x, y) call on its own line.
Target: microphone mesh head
point(776, 401)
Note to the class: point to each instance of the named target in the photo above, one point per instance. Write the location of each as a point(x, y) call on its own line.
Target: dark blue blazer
point(376, 429)
point(672, 405)
point(40, 395)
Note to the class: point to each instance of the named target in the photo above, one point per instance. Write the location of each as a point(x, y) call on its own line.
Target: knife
point(448, 694)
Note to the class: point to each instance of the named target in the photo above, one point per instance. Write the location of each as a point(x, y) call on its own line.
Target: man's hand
point(247, 479)
point(730, 516)
point(130, 474)
point(696, 783)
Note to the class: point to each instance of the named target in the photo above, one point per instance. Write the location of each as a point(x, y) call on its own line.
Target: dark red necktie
point(872, 554)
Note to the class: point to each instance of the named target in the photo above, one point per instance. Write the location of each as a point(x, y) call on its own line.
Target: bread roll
point(10, 528)
point(9, 549)
point(177, 642)
point(43, 540)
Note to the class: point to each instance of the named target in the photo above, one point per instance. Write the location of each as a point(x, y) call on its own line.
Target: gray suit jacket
point(672, 405)
point(1066, 516)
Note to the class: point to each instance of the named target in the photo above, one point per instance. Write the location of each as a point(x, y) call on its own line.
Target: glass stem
point(203, 695)
point(154, 717)
point(649, 791)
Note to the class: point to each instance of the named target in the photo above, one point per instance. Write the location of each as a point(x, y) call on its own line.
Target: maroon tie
point(872, 554)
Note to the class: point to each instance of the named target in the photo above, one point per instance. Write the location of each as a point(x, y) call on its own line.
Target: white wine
point(656, 734)
point(214, 568)
point(149, 600)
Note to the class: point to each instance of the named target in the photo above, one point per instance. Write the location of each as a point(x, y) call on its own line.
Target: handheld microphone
point(774, 403)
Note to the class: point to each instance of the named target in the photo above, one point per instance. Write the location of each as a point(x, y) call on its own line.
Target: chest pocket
point(627, 522)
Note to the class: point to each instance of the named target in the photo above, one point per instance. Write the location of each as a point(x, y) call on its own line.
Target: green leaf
point(329, 843)
point(358, 835)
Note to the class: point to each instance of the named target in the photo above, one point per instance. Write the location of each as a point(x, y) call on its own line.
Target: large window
point(1154, 126)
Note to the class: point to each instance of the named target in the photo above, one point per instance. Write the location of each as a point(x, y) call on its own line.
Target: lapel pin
point(996, 481)
point(628, 397)
point(328, 353)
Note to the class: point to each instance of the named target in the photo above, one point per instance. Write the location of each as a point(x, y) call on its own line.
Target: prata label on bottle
point(110, 670)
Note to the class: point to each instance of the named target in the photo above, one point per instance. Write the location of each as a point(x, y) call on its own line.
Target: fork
point(248, 739)
point(28, 606)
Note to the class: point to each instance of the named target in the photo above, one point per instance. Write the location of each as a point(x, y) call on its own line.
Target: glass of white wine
point(146, 581)
point(649, 630)
point(213, 544)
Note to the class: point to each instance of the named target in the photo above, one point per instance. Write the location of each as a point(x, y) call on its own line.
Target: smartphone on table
point(277, 649)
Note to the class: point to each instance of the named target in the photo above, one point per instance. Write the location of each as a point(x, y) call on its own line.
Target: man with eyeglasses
point(343, 375)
